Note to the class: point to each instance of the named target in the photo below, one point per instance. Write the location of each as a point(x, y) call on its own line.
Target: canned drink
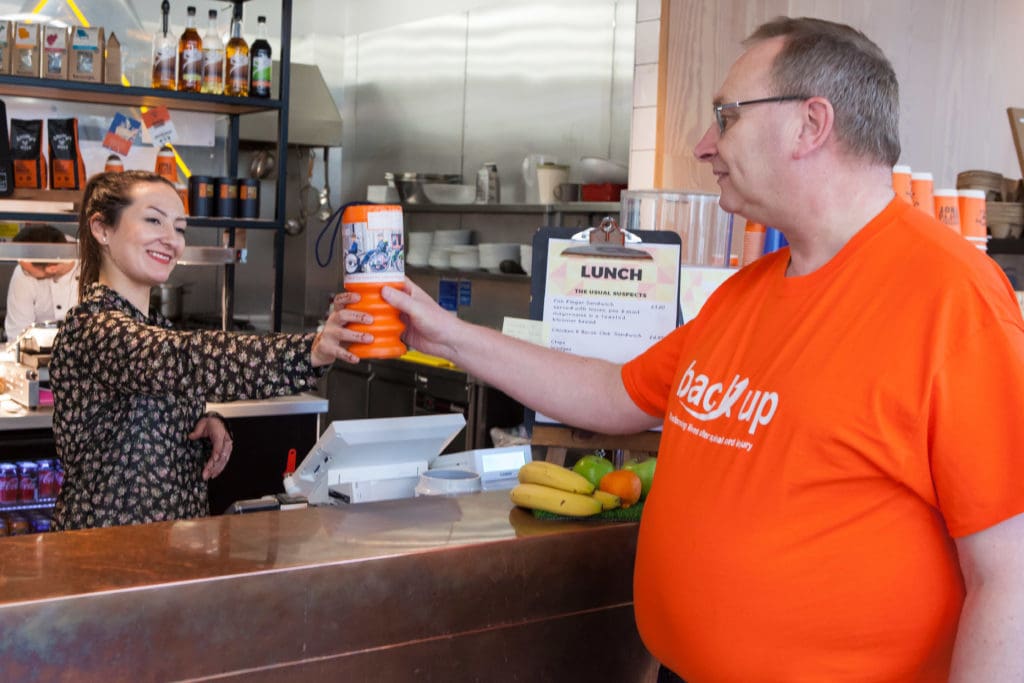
point(27, 475)
point(46, 482)
point(9, 483)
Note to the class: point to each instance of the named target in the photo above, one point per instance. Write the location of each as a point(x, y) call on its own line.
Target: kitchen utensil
point(549, 177)
point(526, 257)
point(167, 299)
point(382, 194)
point(493, 253)
point(417, 248)
point(447, 238)
point(410, 185)
point(488, 187)
point(307, 195)
point(325, 192)
point(597, 170)
point(529, 169)
point(568, 192)
point(442, 193)
point(464, 257)
point(601, 192)
point(262, 165)
point(447, 483)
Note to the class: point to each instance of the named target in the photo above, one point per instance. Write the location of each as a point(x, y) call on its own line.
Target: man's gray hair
point(835, 61)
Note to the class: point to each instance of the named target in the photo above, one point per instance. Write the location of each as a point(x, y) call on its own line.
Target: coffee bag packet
point(67, 170)
point(27, 150)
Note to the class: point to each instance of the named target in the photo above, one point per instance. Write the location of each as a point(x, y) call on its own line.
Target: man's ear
point(818, 120)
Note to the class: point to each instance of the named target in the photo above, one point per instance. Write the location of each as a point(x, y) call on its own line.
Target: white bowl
point(599, 170)
point(526, 257)
point(419, 240)
point(440, 257)
point(447, 483)
point(417, 257)
point(493, 253)
point(443, 193)
point(465, 260)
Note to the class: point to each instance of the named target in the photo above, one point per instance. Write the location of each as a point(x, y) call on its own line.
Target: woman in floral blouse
point(128, 389)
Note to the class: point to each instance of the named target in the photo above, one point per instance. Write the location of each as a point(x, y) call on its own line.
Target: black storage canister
point(200, 196)
point(248, 198)
point(225, 197)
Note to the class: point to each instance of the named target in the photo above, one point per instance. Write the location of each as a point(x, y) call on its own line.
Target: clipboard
point(605, 292)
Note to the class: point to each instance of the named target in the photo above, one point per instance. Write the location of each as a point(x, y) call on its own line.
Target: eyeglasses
point(719, 108)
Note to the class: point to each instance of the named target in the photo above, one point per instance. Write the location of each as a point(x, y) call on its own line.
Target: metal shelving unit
point(232, 107)
point(553, 213)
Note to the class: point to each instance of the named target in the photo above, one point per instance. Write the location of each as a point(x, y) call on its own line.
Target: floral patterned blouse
point(127, 391)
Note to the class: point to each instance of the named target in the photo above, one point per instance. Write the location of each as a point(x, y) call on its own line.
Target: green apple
point(592, 467)
point(644, 470)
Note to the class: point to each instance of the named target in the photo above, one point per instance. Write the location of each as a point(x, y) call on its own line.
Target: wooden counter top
point(469, 587)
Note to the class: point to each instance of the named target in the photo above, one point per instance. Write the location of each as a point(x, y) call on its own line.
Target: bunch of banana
point(555, 476)
point(549, 487)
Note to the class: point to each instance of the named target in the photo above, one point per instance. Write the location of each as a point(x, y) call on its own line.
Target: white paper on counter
point(533, 331)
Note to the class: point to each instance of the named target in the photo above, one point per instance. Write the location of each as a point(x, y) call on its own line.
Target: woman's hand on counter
point(332, 341)
point(213, 427)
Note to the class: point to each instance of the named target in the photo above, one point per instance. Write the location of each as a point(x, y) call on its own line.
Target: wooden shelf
point(104, 95)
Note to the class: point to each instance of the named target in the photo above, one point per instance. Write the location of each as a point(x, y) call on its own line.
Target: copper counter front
point(429, 589)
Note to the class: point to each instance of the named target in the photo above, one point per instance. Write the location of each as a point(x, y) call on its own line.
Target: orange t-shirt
point(825, 438)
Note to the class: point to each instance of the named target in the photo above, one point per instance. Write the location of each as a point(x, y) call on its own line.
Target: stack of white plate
point(493, 253)
point(417, 248)
point(440, 257)
point(464, 257)
point(448, 238)
point(442, 244)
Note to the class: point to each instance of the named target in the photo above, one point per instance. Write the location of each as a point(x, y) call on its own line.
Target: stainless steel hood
point(313, 117)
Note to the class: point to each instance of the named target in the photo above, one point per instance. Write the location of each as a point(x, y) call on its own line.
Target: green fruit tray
point(630, 514)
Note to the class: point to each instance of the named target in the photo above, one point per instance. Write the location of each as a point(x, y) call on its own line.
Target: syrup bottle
point(165, 54)
point(213, 58)
point(238, 61)
point(190, 56)
point(260, 57)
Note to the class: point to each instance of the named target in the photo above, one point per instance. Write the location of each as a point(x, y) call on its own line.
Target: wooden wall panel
point(959, 64)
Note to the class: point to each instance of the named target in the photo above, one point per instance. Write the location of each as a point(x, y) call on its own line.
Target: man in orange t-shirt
point(839, 490)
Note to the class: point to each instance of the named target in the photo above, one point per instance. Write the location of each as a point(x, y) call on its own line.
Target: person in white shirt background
point(40, 291)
